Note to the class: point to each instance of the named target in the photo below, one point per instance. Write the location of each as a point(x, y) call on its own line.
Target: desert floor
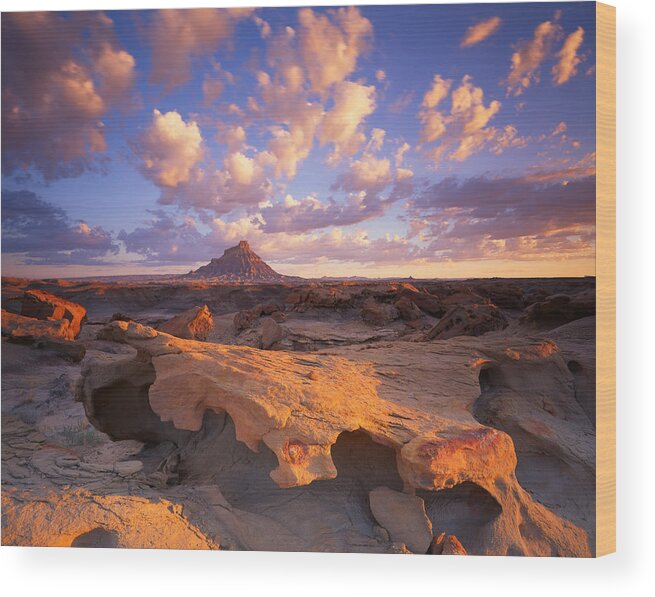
point(409, 416)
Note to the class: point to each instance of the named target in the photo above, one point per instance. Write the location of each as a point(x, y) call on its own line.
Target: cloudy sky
point(440, 141)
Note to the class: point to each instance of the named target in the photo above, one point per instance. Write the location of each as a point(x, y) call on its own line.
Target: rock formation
point(377, 313)
point(559, 309)
point(194, 324)
point(342, 436)
point(41, 305)
point(468, 320)
point(292, 412)
point(238, 264)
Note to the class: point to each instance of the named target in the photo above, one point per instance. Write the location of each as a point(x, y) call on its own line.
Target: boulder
point(28, 328)
point(244, 319)
point(320, 297)
point(503, 295)
point(272, 333)
point(407, 309)
point(194, 324)
point(559, 309)
point(468, 320)
point(377, 313)
point(403, 516)
point(446, 545)
point(425, 301)
point(43, 334)
point(247, 318)
point(42, 305)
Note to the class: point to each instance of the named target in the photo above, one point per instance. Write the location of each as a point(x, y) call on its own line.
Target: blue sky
point(446, 140)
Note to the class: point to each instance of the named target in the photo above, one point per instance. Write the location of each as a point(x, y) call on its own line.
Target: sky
point(431, 141)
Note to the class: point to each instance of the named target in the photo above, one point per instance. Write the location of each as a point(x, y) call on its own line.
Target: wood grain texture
point(605, 279)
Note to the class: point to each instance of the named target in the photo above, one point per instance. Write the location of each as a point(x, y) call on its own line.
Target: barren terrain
point(411, 416)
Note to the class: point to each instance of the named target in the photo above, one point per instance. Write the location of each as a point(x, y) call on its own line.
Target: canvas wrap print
point(301, 279)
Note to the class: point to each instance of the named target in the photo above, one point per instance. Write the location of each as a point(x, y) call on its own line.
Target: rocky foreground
point(389, 417)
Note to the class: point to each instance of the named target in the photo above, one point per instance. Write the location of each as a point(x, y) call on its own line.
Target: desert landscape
point(235, 408)
point(301, 279)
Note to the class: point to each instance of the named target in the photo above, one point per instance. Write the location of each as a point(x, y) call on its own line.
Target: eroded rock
point(559, 309)
point(195, 324)
point(377, 313)
point(403, 516)
point(464, 470)
point(468, 320)
point(42, 305)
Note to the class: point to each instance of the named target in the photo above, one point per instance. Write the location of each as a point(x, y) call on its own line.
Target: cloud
point(569, 59)
point(294, 118)
point(564, 170)
point(341, 126)
point(507, 138)
point(331, 43)
point(437, 93)
point(177, 36)
point(380, 75)
point(169, 149)
point(167, 239)
point(461, 132)
point(44, 234)
point(309, 213)
point(399, 156)
point(518, 218)
point(164, 240)
point(529, 55)
point(559, 129)
point(57, 87)
point(480, 31)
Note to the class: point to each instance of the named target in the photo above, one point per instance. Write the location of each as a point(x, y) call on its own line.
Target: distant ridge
point(239, 264)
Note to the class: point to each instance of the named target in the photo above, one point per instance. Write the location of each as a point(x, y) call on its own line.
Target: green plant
point(79, 435)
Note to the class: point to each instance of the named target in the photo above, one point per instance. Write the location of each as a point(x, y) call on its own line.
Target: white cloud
point(569, 59)
point(331, 43)
point(178, 35)
point(169, 149)
point(341, 126)
point(528, 57)
point(461, 132)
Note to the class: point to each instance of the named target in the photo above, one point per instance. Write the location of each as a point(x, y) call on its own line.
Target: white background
point(52, 572)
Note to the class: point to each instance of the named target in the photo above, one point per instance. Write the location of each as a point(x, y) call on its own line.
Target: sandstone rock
point(79, 519)
point(238, 264)
point(28, 329)
point(121, 317)
point(195, 324)
point(407, 309)
point(403, 516)
point(42, 305)
point(127, 468)
point(278, 316)
point(559, 309)
point(502, 294)
point(377, 313)
point(425, 301)
point(267, 309)
point(294, 426)
point(313, 296)
point(272, 333)
point(446, 545)
point(244, 319)
point(42, 334)
point(468, 320)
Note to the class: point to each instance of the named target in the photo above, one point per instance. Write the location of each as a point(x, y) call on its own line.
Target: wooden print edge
point(605, 279)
